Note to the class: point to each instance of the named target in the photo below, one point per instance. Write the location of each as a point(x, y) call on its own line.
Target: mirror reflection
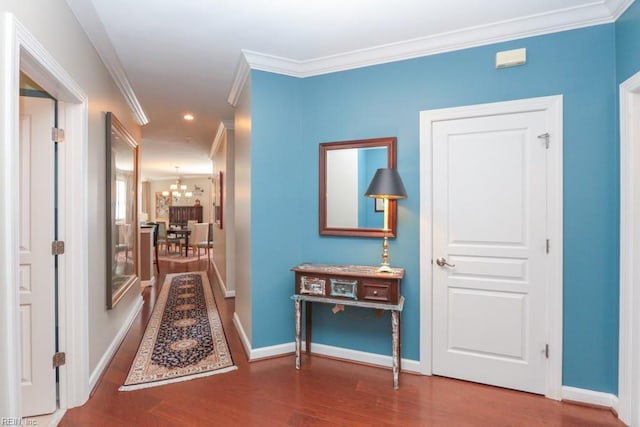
point(349, 173)
point(346, 169)
point(121, 203)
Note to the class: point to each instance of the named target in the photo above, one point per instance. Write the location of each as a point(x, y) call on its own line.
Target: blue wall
point(279, 175)
point(386, 100)
point(628, 43)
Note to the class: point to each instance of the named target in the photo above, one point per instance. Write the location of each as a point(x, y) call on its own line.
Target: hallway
point(325, 392)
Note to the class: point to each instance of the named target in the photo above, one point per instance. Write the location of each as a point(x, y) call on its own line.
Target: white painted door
point(489, 223)
point(37, 305)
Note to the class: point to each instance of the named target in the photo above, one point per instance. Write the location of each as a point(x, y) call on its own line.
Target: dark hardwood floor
point(325, 392)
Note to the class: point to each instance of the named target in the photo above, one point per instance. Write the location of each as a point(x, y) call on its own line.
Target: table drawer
point(347, 288)
point(380, 291)
point(310, 285)
point(348, 283)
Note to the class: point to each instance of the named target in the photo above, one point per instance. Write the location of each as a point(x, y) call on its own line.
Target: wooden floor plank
point(325, 392)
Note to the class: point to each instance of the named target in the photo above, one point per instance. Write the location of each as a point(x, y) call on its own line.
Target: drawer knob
point(375, 292)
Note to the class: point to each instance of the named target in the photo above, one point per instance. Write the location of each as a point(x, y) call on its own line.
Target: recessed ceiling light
point(188, 117)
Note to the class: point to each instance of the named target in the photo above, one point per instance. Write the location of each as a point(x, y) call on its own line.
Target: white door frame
point(553, 106)
point(629, 354)
point(23, 52)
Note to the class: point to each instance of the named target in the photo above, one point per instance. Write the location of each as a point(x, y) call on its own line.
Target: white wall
point(242, 144)
point(54, 26)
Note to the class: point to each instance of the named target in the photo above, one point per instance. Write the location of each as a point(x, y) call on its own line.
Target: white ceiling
point(173, 57)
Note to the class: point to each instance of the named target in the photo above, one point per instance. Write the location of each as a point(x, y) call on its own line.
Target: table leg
point(298, 325)
point(307, 332)
point(395, 340)
point(186, 245)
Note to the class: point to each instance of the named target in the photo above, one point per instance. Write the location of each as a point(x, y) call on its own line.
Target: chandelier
point(177, 189)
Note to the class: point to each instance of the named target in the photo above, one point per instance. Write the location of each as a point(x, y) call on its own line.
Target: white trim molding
point(552, 105)
point(93, 27)
point(407, 365)
point(223, 127)
point(24, 52)
point(590, 397)
point(242, 74)
point(111, 350)
point(223, 287)
point(244, 338)
point(618, 7)
point(629, 340)
point(585, 15)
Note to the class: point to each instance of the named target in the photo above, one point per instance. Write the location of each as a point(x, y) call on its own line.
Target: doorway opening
point(25, 54)
point(37, 228)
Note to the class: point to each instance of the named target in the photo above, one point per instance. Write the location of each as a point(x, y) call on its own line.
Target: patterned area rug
point(184, 338)
point(179, 257)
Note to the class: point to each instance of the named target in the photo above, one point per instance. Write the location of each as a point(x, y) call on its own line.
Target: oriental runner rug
point(179, 257)
point(184, 338)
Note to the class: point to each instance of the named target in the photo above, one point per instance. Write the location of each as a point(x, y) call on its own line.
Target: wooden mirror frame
point(115, 292)
point(390, 144)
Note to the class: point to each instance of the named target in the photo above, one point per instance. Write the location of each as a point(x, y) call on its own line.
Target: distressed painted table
point(348, 285)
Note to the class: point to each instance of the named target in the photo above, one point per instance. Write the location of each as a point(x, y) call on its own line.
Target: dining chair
point(162, 235)
point(156, 226)
point(199, 237)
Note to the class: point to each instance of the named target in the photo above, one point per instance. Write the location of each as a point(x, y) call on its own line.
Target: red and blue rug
point(184, 338)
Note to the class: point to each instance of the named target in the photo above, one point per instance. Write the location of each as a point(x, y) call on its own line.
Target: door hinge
point(546, 139)
point(548, 245)
point(57, 247)
point(59, 359)
point(57, 135)
point(546, 351)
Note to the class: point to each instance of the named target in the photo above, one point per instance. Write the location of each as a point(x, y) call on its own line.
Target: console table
point(348, 285)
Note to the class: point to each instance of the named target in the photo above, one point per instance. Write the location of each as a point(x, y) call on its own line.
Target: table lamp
point(386, 185)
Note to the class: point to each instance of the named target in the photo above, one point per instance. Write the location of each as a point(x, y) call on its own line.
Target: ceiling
point(170, 58)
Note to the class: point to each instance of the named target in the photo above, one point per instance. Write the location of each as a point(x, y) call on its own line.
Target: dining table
point(182, 233)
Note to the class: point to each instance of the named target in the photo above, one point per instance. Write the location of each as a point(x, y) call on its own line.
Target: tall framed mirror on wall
point(122, 209)
point(346, 169)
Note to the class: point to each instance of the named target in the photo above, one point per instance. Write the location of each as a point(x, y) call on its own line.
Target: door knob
point(443, 261)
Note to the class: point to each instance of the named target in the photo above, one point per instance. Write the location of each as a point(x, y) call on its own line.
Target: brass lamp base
point(385, 267)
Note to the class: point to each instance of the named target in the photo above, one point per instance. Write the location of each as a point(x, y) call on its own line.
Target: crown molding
point(599, 12)
point(223, 127)
point(618, 7)
point(241, 76)
point(88, 19)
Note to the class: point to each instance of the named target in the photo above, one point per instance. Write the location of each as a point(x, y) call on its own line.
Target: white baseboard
point(272, 351)
point(223, 287)
point(243, 336)
point(57, 417)
point(336, 352)
point(407, 365)
point(590, 397)
point(113, 347)
point(147, 283)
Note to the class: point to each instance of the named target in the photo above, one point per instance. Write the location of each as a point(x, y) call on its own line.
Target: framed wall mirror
point(122, 208)
point(346, 169)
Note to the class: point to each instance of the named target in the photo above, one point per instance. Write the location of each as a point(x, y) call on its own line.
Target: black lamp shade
point(386, 184)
